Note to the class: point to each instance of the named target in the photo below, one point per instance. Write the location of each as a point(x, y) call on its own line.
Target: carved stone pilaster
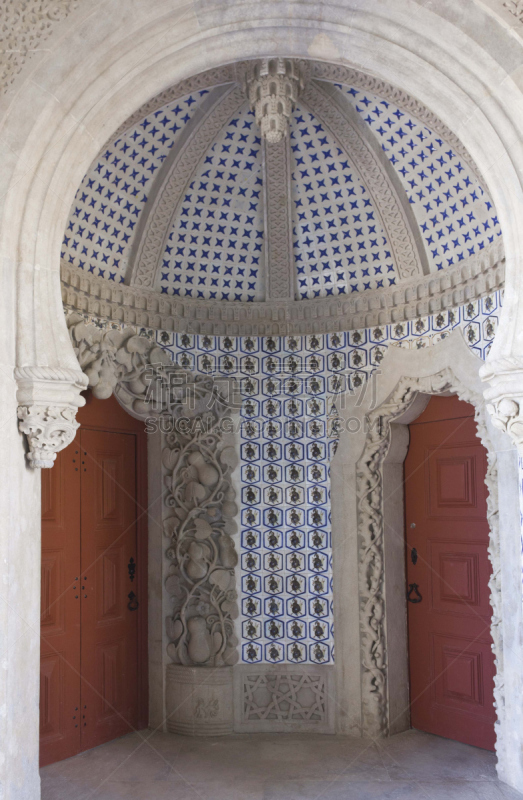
point(48, 400)
point(504, 396)
point(198, 459)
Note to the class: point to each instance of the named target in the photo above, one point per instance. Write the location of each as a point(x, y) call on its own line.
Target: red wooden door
point(109, 618)
point(93, 684)
point(60, 608)
point(451, 661)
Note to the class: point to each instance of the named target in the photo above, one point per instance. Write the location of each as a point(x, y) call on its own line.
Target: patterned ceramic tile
point(289, 430)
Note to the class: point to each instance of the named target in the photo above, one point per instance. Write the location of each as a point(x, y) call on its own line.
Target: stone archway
point(96, 70)
point(367, 475)
point(76, 108)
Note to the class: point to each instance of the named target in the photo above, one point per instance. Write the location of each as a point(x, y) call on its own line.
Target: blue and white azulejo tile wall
point(291, 388)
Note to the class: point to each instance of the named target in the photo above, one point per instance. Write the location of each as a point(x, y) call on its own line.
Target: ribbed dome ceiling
point(378, 193)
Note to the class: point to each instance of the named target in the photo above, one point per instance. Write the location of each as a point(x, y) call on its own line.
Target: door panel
point(90, 531)
point(109, 628)
point(60, 609)
point(451, 662)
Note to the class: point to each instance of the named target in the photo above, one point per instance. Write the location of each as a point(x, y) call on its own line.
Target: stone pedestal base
point(199, 700)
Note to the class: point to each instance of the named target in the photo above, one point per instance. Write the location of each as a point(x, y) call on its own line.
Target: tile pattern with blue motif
point(456, 216)
point(112, 195)
point(290, 425)
point(215, 243)
point(340, 246)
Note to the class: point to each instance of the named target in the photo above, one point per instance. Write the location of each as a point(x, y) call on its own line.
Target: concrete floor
point(145, 766)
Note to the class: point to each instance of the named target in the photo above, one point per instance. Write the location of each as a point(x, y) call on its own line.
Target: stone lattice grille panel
point(284, 698)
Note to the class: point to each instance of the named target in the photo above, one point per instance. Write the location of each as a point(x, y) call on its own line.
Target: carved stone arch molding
point(367, 512)
point(194, 415)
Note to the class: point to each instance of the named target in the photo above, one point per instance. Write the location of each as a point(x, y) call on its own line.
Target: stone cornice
point(469, 279)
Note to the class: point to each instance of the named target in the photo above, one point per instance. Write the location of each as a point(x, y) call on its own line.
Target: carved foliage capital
point(48, 400)
point(49, 429)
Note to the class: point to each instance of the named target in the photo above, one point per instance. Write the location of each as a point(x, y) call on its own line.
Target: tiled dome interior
point(214, 249)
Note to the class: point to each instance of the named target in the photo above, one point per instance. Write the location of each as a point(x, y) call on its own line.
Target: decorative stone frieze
point(279, 255)
point(337, 73)
point(371, 528)
point(515, 7)
point(407, 255)
point(25, 27)
point(272, 86)
point(469, 279)
point(48, 400)
point(165, 206)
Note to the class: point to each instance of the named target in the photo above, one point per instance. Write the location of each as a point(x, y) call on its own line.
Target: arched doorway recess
point(97, 69)
point(368, 539)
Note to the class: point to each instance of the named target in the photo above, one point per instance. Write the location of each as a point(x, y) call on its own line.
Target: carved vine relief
point(198, 460)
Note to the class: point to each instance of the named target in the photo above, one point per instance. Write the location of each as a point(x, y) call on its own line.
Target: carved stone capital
point(48, 400)
point(504, 396)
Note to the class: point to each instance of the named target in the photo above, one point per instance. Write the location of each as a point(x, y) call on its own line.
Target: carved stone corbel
point(48, 399)
point(504, 396)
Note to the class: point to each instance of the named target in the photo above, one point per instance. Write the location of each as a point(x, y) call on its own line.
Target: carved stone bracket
point(375, 714)
point(48, 400)
point(272, 86)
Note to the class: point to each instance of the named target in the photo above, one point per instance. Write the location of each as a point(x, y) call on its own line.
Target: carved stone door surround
point(368, 538)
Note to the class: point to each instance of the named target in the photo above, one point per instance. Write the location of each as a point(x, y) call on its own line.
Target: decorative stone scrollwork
point(273, 86)
point(48, 401)
point(504, 397)
point(371, 545)
point(198, 460)
point(516, 8)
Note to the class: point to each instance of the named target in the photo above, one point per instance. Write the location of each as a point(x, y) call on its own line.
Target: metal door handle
point(133, 603)
point(413, 587)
